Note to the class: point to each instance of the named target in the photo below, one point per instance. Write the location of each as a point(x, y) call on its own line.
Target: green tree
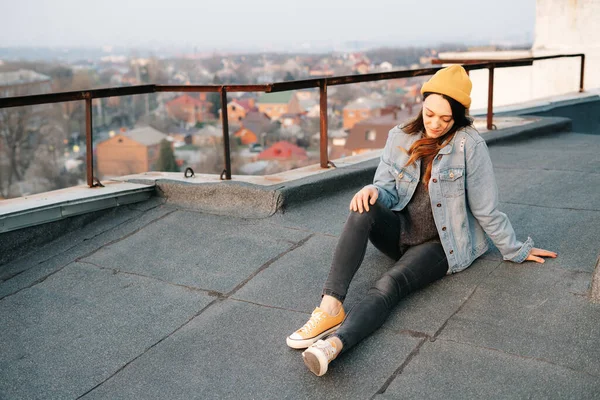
point(166, 159)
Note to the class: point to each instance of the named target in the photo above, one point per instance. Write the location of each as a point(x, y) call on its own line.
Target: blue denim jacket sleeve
point(384, 180)
point(482, 196)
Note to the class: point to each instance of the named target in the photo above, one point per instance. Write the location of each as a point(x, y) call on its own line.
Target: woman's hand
point(362, 199)
point(534, 253)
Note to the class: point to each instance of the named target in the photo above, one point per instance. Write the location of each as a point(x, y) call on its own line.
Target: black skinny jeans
point(417, 267)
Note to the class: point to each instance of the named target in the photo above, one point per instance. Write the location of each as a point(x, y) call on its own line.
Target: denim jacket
point(463, 193)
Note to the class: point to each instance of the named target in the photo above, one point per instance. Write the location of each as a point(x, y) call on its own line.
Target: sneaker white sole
point(315, 361)
point(303, 344)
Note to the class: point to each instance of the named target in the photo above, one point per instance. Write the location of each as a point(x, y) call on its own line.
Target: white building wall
point(509, 84)
point(562, 27)
point(567, 26)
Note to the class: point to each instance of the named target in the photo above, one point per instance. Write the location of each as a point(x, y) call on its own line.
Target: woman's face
point(437, 116)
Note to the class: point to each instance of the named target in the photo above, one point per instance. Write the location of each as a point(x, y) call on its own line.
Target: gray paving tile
point(66, 242)
point(567, 151)
point(73, 330)
point(237, 350)
point(62, 337)
point(573, 234)
point(534, 311)
point(326, 215)
point(295, 281)
point(428, 309)
point(79, 244)
point(201, 250)
point(559, 189)
point(446, 370)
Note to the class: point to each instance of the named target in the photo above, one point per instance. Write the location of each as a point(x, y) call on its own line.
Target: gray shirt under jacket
point(417, 225)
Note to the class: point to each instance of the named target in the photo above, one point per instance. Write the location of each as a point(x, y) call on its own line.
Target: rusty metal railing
point(321, 83)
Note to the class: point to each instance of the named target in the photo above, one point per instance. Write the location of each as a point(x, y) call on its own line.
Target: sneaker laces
point(315, 318)
point(326, 347)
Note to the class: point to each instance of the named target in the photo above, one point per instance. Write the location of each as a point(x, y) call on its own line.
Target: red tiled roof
point(283, 151)
point(186, 99)
point(244, 103)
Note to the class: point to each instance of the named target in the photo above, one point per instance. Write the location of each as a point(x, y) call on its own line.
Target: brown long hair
point(427, 148)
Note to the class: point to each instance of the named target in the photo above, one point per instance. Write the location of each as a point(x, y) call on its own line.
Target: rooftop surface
point(156, 301)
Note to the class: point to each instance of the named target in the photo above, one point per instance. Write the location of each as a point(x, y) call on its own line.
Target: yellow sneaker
point(318, 356)
point(319, 325)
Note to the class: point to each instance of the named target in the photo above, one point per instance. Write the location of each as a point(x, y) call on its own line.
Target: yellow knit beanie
point(452, 81)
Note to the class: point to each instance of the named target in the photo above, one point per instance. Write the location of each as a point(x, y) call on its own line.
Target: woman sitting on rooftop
point(433, 208)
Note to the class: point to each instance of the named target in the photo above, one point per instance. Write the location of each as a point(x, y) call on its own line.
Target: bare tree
point(18, 143)
point(213, 64)
point(346, 93)
point(73, 111)
point(22, 131)
point(48, 170)
point(155, 72)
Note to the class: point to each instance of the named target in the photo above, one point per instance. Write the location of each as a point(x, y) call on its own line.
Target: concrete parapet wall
point(583, 112)
point(546, 126)
point(584, 116)
point(253, 201)
point(227, 198)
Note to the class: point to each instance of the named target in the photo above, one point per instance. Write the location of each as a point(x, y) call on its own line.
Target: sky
point(261, 24)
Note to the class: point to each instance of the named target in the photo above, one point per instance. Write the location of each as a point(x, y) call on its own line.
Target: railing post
point(582, 73)
point(88, 140)
point(490, 108)
point(225, 122)
point(323, 142)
